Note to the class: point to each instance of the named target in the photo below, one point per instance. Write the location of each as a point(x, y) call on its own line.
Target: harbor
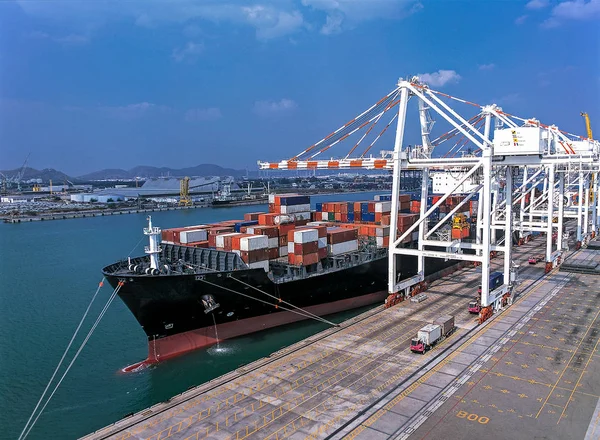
point(325, 386)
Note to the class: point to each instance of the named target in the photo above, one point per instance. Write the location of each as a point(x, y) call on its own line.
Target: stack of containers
point(272, 233)
point(296, 206)
point(404, 201)
point(341, 240)
point(381, 234)
point(381, 209)
point(224, 242)
point(216, 231)
point(303, 247)
point(253, 250)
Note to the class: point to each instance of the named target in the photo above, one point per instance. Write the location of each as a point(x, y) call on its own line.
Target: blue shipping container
point(368, 216)
point(364, 207)
point(294, 200)
point(351, 216)
point(319, 206)
point(238, 226)
point(496, 280)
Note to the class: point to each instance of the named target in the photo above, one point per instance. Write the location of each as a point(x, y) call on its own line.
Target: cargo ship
point(201, 284)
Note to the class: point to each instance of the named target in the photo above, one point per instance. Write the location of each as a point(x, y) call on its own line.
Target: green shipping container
point(331, 216)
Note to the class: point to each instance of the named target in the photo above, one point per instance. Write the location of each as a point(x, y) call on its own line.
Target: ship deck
point(531, 371)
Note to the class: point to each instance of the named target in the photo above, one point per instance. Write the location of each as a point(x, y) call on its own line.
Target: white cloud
point(537, 4)
point(69, 40)
point(189, 52)
point(203, 114)
point(267, 108)
point(490, 66)
point(333, 25)
point(439, 78)
point(521, 19)
point(343, 14)
point(270, 23)
point(578, 10)
point(133, 111)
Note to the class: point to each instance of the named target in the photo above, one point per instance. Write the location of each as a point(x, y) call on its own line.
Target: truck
point(496, 280)
point(535, 260)
point(431, 334)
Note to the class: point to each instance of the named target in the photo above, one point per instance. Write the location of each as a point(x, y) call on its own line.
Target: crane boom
point(588, 126)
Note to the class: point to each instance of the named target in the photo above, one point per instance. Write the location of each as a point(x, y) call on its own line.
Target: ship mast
point(154, 249)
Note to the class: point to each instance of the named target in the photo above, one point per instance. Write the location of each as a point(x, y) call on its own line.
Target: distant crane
point(21, 172)
point(184, 192)
point(588, 126)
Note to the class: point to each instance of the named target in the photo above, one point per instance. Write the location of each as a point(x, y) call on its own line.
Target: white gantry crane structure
point(528, 178)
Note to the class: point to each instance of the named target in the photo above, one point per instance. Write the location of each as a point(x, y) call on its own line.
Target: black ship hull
point(172, 308)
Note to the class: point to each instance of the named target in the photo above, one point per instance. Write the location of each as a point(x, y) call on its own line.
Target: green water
point(48, 274)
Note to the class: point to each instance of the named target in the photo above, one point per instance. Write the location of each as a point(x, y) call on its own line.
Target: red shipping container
point(338, 217)
point(199, 244)
point(344, 217)
point(340, 235)
point(322, 253)
point(371, 207)
point(344, 208)
point(283, 240)
point(252, 216)
point(301, 222)
point(271, 209)
point(273, 253)
point(269, 231)
point(254, 256)
point(284, 229)
point(306, 248)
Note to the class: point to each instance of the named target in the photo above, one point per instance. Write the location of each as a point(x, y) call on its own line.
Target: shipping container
point(305, 235)
point(310, 247)
point(294, 209)
point(191, 235)
point(283, 251)
point(303, 260)
point(251, 243)
point(252, 215)
point(446, 322)
point(342, 248)
point(224, 241)
point(239, 225)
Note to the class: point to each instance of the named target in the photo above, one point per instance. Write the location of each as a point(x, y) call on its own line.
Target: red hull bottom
point(171, 346)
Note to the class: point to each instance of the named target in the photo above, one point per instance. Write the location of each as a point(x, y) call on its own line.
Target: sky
point(87, 85)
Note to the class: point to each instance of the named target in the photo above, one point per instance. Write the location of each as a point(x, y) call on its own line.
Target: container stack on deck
point(287, 234)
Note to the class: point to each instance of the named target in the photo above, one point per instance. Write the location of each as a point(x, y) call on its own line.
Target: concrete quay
point(362, 381)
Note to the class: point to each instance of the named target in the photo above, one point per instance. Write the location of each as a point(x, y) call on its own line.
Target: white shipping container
point(324, 216)
point(290, 247)
point(343, 247)
point(380, 241)
point(271, 198)
point(283, 251)
point(316, 223)
point(322, 242)
point(519, 141)
point(273, 242)
point(254, 242)
point(293, 209)
point(306, 235)
point(415, 236)
point(260, 265)
point(192, 235)
point(382, 231)
point(430, 334)
point(220, 239)
point(302, 215)
point(383, 206)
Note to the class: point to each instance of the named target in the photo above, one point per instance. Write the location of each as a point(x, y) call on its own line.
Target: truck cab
point(474, 307)
point(417, 346)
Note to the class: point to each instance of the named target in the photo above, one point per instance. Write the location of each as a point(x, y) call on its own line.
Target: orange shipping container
point(306, 248)
point(303, 260)
point(252, 216)
point(267, 219)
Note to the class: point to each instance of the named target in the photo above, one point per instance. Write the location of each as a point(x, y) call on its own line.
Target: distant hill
point(46, 174)
point(149, 172)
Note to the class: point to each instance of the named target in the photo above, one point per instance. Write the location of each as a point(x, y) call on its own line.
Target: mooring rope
point(268, 303)
point(28, 426)
point(285, 302)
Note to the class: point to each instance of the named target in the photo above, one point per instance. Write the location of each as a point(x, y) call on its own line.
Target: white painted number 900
point(472, 417)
